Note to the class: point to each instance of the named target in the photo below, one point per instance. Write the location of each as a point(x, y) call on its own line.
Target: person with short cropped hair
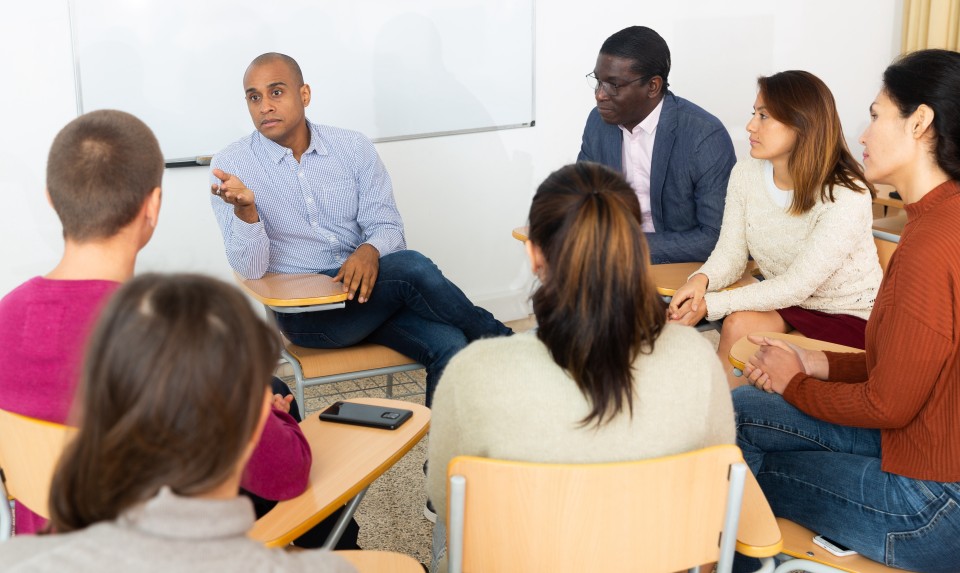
point(150, 481)
point(676, 156)
point(103, 178)
point(865, 448)
point(603, 378)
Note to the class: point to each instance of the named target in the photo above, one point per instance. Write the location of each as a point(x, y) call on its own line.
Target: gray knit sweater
point(168, 533)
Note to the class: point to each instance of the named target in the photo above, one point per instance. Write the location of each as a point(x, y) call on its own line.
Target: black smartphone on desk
point(366, 415)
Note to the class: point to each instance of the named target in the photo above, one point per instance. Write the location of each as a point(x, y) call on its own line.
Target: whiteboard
point(390, 69)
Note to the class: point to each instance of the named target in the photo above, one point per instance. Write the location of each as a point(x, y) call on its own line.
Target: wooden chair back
point(29, 452)
point(885, 250)
point(663, 514)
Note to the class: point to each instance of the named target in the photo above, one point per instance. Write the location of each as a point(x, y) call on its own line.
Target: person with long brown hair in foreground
point(172, 401)
point(603, 378)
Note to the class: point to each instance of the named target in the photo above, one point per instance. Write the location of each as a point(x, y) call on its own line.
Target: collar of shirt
point(648, 125)
point(277, 152)
point(179, 517)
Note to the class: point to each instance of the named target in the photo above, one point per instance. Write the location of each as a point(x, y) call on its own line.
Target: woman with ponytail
point(603, 378)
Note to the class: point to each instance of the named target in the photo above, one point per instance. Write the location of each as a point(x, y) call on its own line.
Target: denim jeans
point(412, 309)
point(828, 478)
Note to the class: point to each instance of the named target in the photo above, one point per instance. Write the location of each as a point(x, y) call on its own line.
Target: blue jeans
point(412, 309)
point(828, 478)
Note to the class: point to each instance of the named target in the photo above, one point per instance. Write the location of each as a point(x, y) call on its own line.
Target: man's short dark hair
point(645, 47)
point(101, 168)
point(277, 56)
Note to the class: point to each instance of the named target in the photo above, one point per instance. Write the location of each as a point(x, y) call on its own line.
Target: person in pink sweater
point(103, 179)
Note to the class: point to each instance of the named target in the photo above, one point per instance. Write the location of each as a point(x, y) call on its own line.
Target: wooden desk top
point(743, 349)
point(798, 542)
point(277, 289)
point(346, 459)
point(670, 277)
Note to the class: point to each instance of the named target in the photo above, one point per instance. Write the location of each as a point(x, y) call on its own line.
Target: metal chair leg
point(344, 519)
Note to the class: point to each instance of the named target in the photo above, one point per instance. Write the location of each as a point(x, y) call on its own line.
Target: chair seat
point(798, 542)
point(379, 561)
point(319, 362)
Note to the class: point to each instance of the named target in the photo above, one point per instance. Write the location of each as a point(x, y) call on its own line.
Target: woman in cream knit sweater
point(801, 208)
point(603, 378)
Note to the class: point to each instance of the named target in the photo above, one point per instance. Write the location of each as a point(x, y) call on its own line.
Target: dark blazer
point(692, 159)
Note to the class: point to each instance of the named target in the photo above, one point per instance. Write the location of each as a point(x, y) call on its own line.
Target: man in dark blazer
point(676, 156)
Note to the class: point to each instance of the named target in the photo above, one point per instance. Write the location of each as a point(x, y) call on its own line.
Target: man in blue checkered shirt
point(298, 197)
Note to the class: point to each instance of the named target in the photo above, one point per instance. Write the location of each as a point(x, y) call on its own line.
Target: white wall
point(460, 195)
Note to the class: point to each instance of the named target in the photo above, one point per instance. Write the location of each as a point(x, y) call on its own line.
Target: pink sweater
point(44, 325)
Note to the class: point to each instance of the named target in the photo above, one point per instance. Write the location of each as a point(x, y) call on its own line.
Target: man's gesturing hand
point(359, 272)
point(233, 192)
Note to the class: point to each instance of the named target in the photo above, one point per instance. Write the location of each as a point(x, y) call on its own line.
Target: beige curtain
point(931, 24)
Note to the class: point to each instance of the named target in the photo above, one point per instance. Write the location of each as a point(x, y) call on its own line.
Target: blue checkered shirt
point(313, 214)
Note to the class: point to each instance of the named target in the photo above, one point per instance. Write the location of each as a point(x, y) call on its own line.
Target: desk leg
point(345, 518)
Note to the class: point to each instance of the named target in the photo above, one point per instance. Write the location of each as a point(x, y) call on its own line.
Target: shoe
point(430, 513)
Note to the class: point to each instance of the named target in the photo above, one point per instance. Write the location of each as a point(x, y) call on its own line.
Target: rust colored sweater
point(907, 384)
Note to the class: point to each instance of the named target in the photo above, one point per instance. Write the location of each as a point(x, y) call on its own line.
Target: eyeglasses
point(609, 88)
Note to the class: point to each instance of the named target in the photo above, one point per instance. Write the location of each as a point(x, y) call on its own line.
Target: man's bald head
point(271, 57)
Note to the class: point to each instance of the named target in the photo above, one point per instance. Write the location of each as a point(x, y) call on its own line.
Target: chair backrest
point(663, 514)
point(885, 250)
point(29, 452)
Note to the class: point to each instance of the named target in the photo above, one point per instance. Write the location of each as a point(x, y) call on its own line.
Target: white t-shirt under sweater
point(824, 259)
point(506, 398)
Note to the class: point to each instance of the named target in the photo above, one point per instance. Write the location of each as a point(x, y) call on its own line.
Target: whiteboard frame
point(205, 159)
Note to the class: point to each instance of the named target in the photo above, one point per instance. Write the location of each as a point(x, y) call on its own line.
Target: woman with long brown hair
point(172, 401)
point(603, 378)
point(801, 207)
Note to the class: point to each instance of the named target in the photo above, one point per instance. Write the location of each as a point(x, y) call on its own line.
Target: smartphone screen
point(366, 415)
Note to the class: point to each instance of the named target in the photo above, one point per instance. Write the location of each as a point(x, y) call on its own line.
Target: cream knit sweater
point(506, 398)
point(824, 259)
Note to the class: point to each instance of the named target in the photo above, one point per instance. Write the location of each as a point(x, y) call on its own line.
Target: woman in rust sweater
point(865, 448)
